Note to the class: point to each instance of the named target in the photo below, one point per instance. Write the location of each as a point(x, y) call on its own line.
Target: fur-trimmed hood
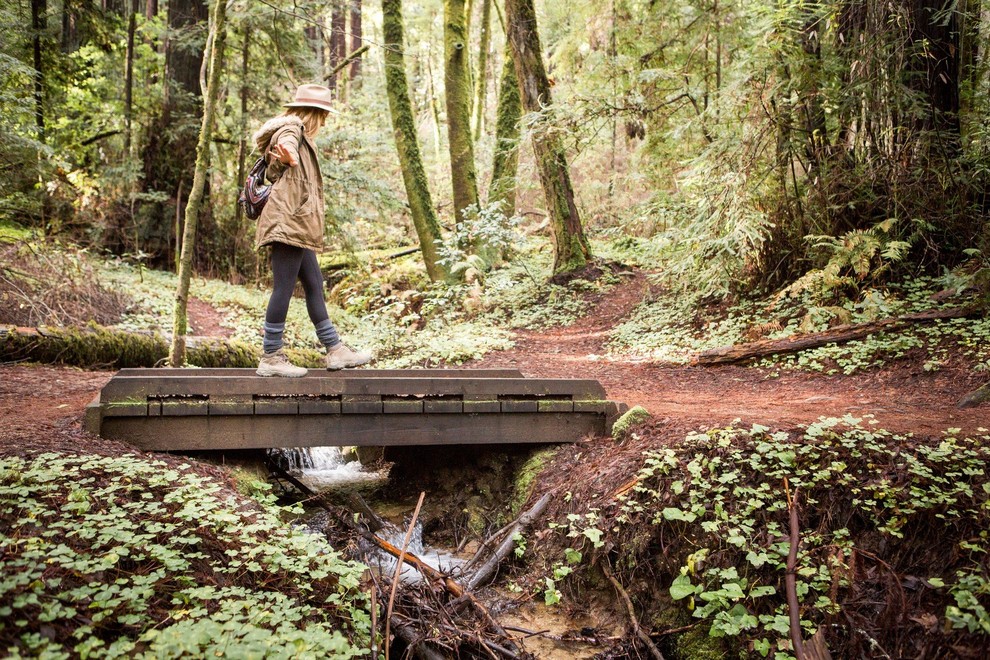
point(264, 134)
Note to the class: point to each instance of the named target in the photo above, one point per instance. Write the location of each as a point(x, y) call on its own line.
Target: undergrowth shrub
point(121, 556)
point(893, 536)
point(52, 284)
point(672, 328)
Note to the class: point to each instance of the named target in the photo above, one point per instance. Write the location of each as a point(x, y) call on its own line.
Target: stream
point(325, 469)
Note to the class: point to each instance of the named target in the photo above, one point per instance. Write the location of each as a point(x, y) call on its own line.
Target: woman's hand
point(284, 155)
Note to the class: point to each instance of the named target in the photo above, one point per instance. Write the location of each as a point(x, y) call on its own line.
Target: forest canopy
point(821, 145)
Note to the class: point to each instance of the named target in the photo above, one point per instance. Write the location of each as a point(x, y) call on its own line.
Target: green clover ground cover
point(706, 525)
point(125, 556)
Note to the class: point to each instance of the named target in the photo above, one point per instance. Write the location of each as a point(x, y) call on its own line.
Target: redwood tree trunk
point(404, 128)
point(338, 39)
point(357, 40)
point(935, 38)
point(172, 138)
point(39, 25)
point(571, 250)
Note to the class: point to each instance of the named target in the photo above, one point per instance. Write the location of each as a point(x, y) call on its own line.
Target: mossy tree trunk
point(457, 86)
point(218, 36)
point(571, 250)
point(404, 128)
point(481, 81)
point(505, 160)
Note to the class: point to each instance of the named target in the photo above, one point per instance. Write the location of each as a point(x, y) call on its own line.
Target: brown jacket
point(294, 213)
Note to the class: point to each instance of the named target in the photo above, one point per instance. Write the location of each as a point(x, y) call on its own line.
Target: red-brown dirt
point(902, 397)
point(38, 403)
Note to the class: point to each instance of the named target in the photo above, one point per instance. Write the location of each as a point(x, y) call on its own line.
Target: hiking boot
point(343, 356)
point(277, 364)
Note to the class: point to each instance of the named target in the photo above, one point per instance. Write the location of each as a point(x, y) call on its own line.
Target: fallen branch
point(837, 335)
point(415, 641)
point(408, 558)
point(347, 60)
point(790, 578)
point(486, 570)
point(633, 621)
point(398, 568)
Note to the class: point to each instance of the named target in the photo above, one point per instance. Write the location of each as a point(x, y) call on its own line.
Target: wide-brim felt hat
point(313, 96)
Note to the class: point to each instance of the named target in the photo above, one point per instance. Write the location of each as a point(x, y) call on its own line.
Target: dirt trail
point(902, 398)
point(36, 403)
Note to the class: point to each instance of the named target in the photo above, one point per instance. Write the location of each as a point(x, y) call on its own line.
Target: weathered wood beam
point(215, 432)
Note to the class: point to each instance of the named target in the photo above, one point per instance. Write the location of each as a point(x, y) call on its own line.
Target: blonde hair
point(312, 118)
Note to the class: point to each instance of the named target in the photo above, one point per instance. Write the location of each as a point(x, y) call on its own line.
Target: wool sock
point(273, 336)
point(327, 333)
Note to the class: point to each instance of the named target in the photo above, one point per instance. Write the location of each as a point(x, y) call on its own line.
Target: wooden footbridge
point(205, 409)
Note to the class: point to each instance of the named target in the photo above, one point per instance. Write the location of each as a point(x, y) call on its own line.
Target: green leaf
point(682, 588)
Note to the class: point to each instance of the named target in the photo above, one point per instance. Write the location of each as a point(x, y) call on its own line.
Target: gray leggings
point(290, 263)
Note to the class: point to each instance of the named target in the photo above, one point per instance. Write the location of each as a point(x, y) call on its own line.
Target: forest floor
point(41, 410)
point(901, 397)
point(36, 400)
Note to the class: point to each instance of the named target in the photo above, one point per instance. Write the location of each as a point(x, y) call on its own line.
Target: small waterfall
point(324, 467)
point(299, 460)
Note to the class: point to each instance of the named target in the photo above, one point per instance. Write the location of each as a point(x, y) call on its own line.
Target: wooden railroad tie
point(204, 409)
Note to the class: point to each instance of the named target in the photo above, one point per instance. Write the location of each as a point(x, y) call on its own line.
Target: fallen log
point(838, 335)
point(486, 570)
point(975, 398)
point(99, 347)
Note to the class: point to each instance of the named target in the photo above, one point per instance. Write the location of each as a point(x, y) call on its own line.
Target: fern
point(857, 258)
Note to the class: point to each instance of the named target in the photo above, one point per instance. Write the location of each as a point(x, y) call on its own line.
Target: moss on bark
point(404, 129)
point(505, 161)
point(457, 90)
point(481, 80)
point(571, 249)
point(105, 348)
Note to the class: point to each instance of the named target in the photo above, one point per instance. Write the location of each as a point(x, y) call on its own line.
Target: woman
point(292, 224)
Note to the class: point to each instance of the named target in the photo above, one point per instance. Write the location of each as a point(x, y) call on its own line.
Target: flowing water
point(325, 469)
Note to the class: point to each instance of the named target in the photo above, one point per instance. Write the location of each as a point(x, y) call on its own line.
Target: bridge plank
point(243, 405)
point(276, 406)
point(392, 406)
point(360, 404)
point(482, 405)
point(261, 431)
point(131, 388)
point(312, 405)
point(554, 405)
point(443, 406)
point(126, 409)
point(322, 373)
point(185, 407)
